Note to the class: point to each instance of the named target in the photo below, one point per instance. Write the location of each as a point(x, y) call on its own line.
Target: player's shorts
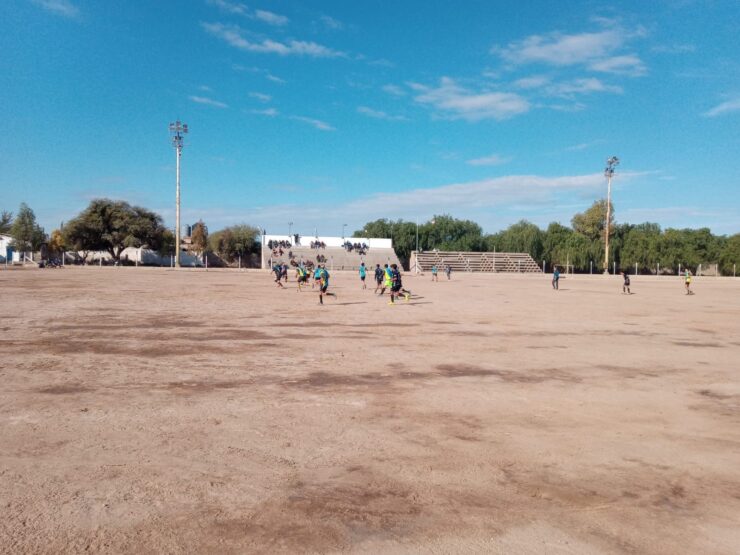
point(396, 288)
point(362, 278)
point(324, 288)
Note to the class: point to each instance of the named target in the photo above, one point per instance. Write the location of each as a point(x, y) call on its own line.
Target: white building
point(8, 253)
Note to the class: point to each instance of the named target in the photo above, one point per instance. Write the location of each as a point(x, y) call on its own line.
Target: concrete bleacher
point(379, 251)
point(337, 258)
point(475, 261)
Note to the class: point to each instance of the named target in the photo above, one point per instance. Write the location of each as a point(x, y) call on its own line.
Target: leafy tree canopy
point(113, 226)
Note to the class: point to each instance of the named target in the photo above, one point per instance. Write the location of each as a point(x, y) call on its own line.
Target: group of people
point(320, 280)
point(318, 245)
point(361, 248)
point(626, 283)
point(435, 272)
point(388, 277)
point(273, 244)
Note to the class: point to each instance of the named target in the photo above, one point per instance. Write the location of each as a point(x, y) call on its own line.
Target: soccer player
point(378, 277)
point(324, 285)
point(448, 271)
point(687, 280)
point(278, 269)
point(387, 279)
point(363, 275)
point(316, 276)
point(435, 277)
point(302, 276)
point(555, 278)
point(626, 284)
point(397, 285)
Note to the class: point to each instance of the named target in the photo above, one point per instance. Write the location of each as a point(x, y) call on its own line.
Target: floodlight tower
point(177, 132)
point(611, 163)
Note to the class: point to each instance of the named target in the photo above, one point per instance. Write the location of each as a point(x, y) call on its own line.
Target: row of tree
point(581, 245)
point(112, 226)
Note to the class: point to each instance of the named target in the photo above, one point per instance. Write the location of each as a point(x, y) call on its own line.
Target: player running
point(316, 276)
point(378, 277)
point(397, 285)
point(302, 276)
point(324, 285)
point(555, 278)
point(278, 270)
point(387, 279)
point(363, 275)
point(435, 277)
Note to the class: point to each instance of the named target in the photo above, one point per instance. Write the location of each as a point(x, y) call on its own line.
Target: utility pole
point(611, 163)
point(177, 132)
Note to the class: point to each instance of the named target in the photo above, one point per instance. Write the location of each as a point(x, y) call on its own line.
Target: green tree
point(403, 235)
point(27, 234)
point(729, 258)
point(450, 234)
point(591, 222)
point(236, 241)
point(640, 246)
point(6, 221)
point(167, 244)
point(113, 226)
point(522, 236)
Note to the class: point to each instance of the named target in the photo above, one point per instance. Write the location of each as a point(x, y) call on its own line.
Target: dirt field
point(154, 411)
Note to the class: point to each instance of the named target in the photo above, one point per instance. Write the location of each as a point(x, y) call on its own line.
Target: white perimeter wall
point(333, 241)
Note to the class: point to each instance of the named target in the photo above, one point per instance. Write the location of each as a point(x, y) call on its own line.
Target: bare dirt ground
point(153, 411)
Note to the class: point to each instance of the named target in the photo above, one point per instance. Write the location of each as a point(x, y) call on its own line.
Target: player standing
point(626, 284)
point(363, 275)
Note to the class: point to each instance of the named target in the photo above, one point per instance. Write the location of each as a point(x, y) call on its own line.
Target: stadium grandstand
point(337, 253)
point(516, 262)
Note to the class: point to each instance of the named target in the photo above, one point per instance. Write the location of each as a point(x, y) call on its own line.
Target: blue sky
point(324, 113)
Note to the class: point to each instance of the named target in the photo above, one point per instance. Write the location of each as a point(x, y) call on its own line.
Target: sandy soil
point(150, 411)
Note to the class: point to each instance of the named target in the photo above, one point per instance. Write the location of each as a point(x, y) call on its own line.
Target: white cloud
point(378, 114)
point(270, 112)
point(64, 8)
point(318, 124)
point(233, 35)
point(726, 107)
point(457, 102)
point(581, 86)
point(208, 101)
point(261, 96)
point(533, 82)
point(624, 65)
point(275, 78)
point(597, 51)
point(331, 23)
point(395, 90)
point(492, 160)
point(230, 7)
point(562, 50)
point(271, 18)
